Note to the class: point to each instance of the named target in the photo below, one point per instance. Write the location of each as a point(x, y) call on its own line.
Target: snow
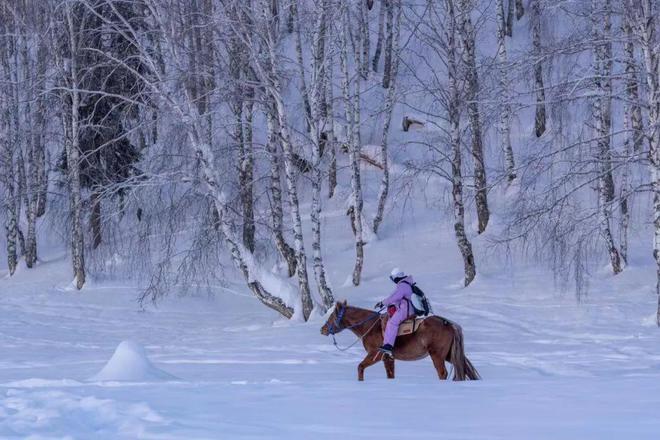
point(552, 368)
point(130, 363)
point(94, 364)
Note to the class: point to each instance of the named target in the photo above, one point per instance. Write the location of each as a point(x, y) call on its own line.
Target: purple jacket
point(402, 292)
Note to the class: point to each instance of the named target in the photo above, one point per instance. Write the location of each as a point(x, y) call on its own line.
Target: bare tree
point(642, 19)
point(317, 130)
point(352, 115)
point(537, 53)
point(505, 107)
point(70, 76)
point(453, 110)
point(379, 41)
point(7, 144)
point(389, 106)
point(467, 34)
point(633, 126)
point(387, 67)
point(602, 113)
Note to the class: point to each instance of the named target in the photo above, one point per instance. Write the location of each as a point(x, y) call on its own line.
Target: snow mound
point(130, 363)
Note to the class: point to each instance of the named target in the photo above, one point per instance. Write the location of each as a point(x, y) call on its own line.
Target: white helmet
point(397, 274)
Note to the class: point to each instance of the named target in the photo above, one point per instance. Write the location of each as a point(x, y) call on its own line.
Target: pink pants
point(392, 327)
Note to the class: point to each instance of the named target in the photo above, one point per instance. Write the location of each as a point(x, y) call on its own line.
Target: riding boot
point(387, 350)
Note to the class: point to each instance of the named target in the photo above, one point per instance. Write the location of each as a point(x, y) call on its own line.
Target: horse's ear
point(345, 302)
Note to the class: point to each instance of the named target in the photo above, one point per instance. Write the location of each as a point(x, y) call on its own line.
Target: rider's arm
point(397, 295)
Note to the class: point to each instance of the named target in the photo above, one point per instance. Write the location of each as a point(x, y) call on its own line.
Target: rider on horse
point(398, 307)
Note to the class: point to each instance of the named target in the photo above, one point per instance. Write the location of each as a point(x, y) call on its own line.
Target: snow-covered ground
point(552, 368)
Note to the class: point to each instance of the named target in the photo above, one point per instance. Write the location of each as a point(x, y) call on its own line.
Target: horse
point(436, 337)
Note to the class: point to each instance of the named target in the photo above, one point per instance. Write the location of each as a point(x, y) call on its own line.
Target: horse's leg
point(439, 364)
point(389, 366)
point(371, 358)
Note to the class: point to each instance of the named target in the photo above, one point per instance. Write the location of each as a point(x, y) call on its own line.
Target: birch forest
point(186, 142)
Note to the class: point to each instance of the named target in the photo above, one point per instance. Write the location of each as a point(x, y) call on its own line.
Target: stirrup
point(386, 352)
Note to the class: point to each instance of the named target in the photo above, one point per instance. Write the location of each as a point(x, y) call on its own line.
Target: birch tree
point(505, 107)
point(70, 76)
point(389, 106)
point(467, 34)
point(643, 22)
point(317, 130)
point(453, 110)
point(537, 53)
point(7, 144)
point(277, 214)
point(633, 126)
point(351, 97)
point(602, 112)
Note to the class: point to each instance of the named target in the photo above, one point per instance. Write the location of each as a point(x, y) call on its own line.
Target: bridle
point(335, 326)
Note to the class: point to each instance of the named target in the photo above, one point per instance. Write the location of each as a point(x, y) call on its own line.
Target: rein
point(335, 327)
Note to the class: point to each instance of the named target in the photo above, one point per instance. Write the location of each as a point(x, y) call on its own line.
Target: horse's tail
point(463, 368)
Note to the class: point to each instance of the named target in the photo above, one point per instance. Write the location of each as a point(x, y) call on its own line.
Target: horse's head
point(333, 324)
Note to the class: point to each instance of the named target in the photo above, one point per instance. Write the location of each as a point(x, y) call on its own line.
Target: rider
point(398, 307)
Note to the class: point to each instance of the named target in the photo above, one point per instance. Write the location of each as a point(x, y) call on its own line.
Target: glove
point(379, 305)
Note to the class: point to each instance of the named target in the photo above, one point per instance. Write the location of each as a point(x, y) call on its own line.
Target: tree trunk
point(505, 109)
point(602, 121)
point(454, 101)
point(539, 119)
point(644, 26)
point(9, 202)
point(520, 9)
point(316, 131)
point(277, 216)
point(351, 109)
point(467, 33)
point(379, 41)
point(509, 19)
point(246, 176)
point(387, 66)
point(633, 108)
point(364, 39)
point(389, 105)
point(95, 218)
point(243, 258)
point(73, 161)
point(332, 141)
point(290, 173)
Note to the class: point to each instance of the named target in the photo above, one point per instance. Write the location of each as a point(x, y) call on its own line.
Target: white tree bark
point(602, 113)
point(352, 113)
point(7, 173)
point(73, 156)
point(505, 108)
point(316, 130)
point(389, 106)
point(467, 34)
point(537, 52)
point(643, 20)
point(634, 128)
point(453, 110)
point(633, 108)
point(277, 215)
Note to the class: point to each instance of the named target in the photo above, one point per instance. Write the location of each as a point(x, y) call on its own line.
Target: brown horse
point(436, 337)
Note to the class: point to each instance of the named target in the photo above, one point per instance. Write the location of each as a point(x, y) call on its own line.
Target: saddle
point(407, 327)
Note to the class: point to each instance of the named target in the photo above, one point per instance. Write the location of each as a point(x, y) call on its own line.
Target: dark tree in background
point(113, 94)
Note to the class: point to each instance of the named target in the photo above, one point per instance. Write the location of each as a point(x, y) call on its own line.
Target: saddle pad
point(408, 326)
